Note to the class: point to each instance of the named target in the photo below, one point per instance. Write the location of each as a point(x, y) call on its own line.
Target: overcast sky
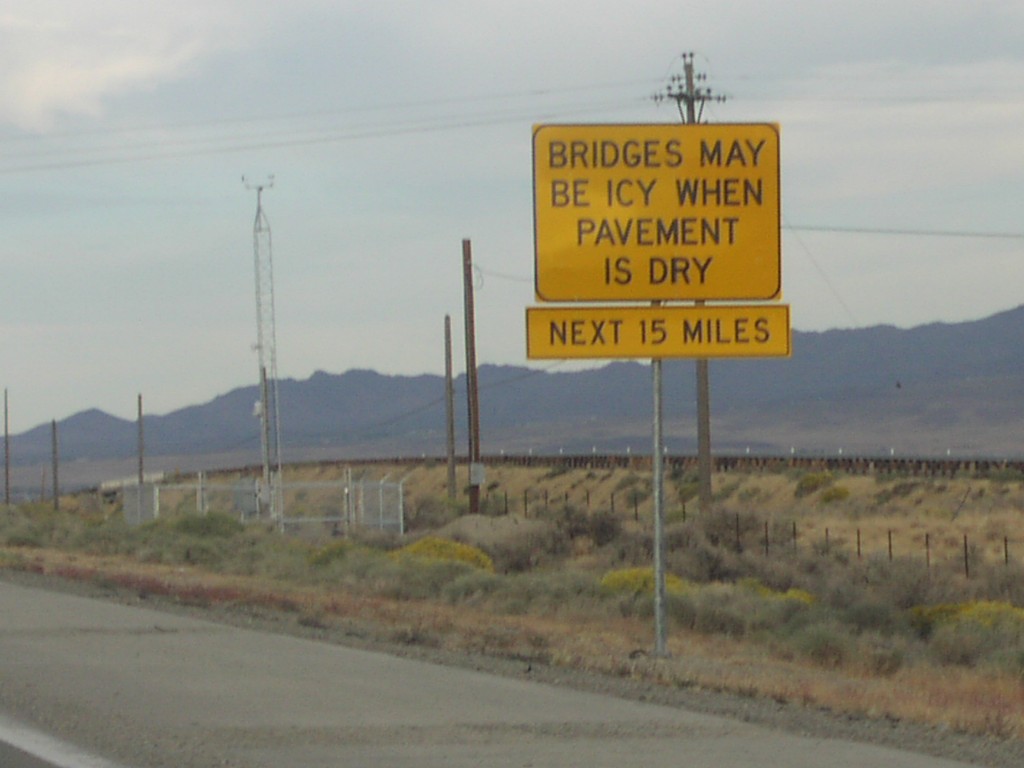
point(396, 129)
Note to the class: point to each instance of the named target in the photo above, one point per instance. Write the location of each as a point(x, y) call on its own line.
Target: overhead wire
point(316, 128)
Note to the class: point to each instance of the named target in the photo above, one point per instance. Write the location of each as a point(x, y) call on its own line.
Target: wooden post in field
point(56, 462)
point(449, 408)
point(7, 454)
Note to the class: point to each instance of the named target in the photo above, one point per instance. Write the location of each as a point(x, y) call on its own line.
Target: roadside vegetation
point(792, 588)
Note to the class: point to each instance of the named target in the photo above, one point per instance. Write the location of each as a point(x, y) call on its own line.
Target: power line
point(828, 228)
point(398, 106)
point(207, 147)
point(905, 232)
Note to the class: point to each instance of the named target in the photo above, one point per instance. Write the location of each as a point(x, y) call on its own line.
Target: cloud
point(65, 57)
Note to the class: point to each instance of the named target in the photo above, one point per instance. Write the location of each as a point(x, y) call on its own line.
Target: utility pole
point(142, 473)
point(690, 100)
point(56, 465)
point(449, 408)
point(7, 454)
point(142, 448)
point(472, 391)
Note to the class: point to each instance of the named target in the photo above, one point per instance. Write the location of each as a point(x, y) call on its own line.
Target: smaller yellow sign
point(657, 332)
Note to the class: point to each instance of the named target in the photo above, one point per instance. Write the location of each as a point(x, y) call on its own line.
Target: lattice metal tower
point(271, 498)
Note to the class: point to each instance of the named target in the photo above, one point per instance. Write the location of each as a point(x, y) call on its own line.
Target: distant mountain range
point(928, 390)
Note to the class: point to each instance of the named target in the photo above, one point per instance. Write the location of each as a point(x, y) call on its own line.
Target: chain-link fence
point(335, 507)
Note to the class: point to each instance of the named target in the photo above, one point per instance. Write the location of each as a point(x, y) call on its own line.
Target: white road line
point(46, 747)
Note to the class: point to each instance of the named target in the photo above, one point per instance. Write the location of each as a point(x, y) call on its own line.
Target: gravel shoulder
point(784, 716)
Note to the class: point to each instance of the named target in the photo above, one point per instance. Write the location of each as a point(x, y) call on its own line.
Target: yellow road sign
point(657, 332)
point(656, 212)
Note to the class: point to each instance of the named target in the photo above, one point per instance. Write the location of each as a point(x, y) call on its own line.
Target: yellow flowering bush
point(985, 613)
point(767, 593)
point(641, 581)
point(436, 548)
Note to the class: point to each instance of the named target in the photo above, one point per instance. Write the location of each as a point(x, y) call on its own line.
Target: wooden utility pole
point(56, 463)
point(449, 407)
point(7, 453)
point(471, 382)
point(142, 447)
point(690, 101)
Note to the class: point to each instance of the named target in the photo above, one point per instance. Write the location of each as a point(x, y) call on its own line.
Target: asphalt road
point(145, 689)
point(12, 757)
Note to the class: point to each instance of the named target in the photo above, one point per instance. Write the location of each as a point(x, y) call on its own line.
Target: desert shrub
point(897, 489)
point(959, 644)
point(987, 614)
point(812, 482)
point(556, 470)
point(38, 525)
point(708, 615)
point(737, 610)
point(436, 548)
point(546, 593)
point(702, 562)
point(903, 581)
point(534, 548)
point(881, 654)
point(215, 524)
point(604, 528)
point(640, 581)
point(634, 548)
point(329, 554)
point(767, 593)
point(869, 613)
point(687, 486)
point(262, 551)
point(414, 577)
point(516, 555)
point(471, 587)
point(826, 643)
point(976, 633)
point(109, 537)
point(26, 535)
point(1005, 475)
point(627, 482)
point(636, 496)
point(572, 522)
point(725, 491)
point(834, 494)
